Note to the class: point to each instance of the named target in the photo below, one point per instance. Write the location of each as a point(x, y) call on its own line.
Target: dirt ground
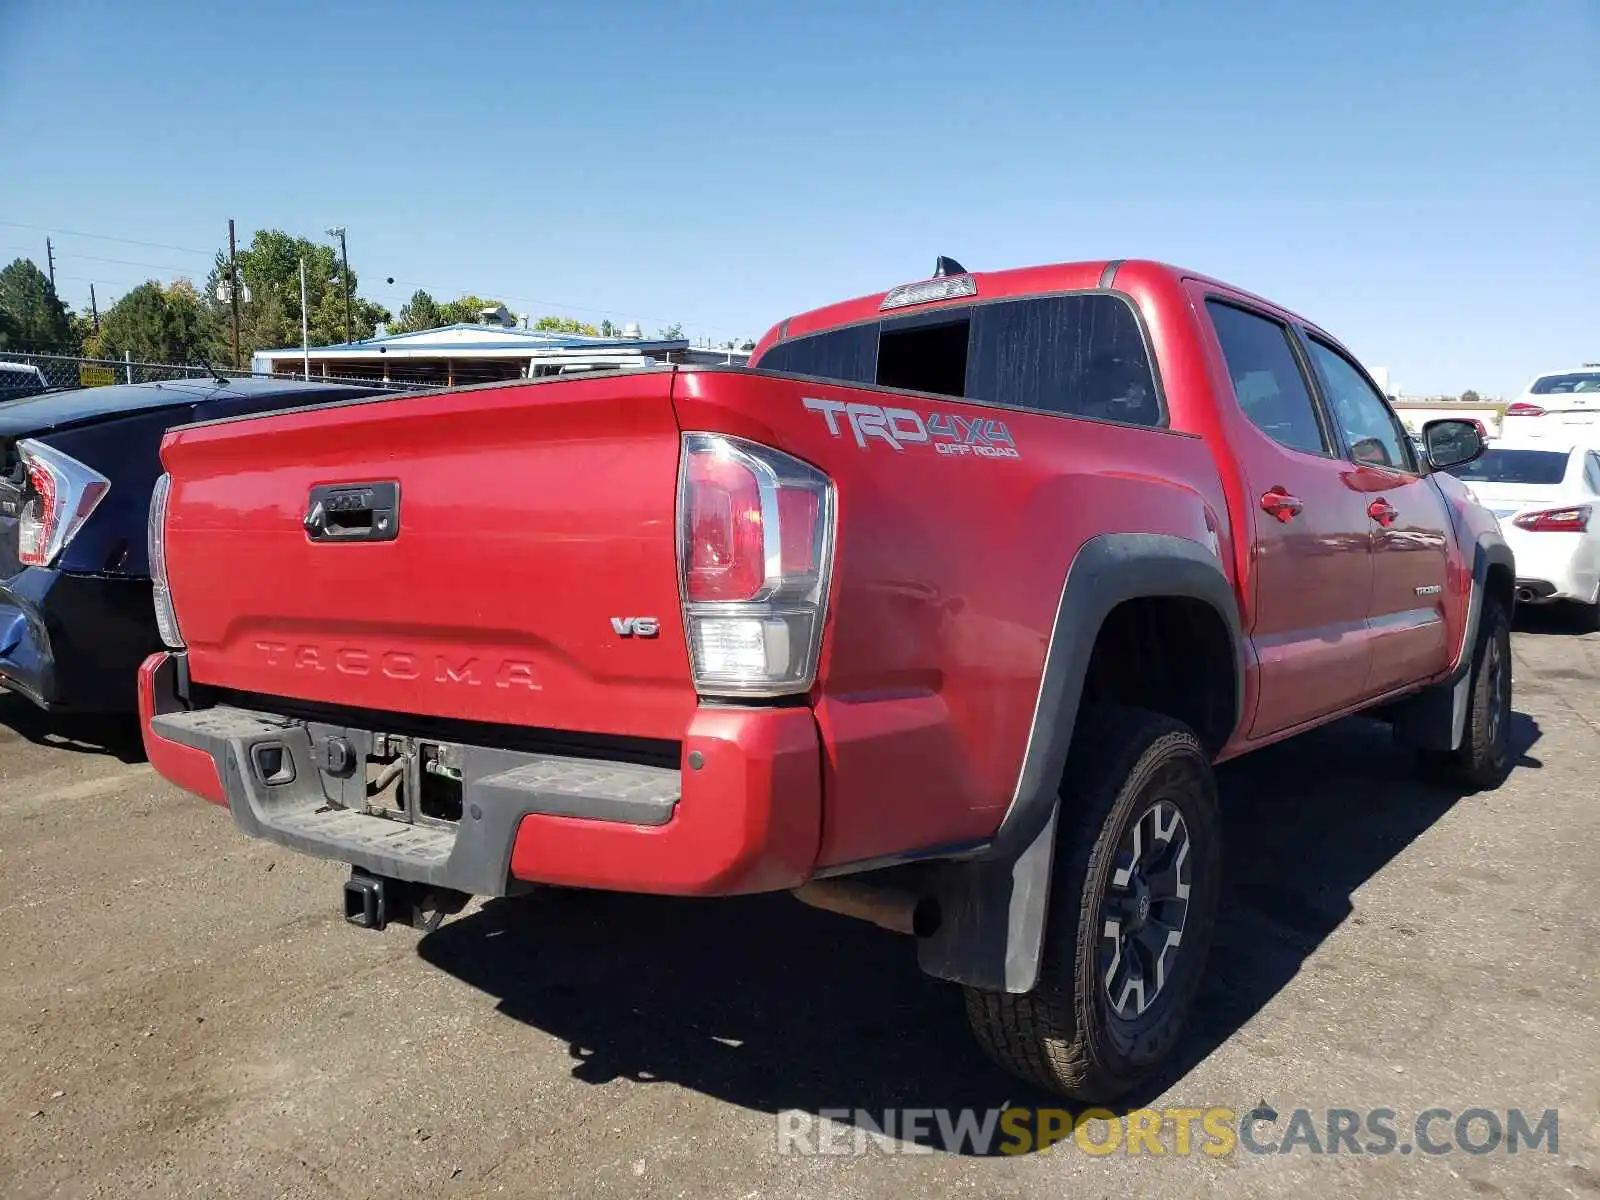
point(183, 1012)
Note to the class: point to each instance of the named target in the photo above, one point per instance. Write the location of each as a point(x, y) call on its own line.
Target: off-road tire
point(1063, 1035)
point(1483, 759)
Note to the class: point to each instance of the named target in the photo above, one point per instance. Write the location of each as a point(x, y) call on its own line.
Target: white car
point(19, 381)
point(1548, 504)
point(1558, 406)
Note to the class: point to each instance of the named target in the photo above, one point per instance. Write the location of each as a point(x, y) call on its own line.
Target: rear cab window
point(1077, 355)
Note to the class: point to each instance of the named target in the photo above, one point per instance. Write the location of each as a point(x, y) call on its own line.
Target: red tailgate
point(530, 517)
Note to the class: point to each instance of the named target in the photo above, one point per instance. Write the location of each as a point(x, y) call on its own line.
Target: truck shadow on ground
point(88, 733)
point(764, 1003)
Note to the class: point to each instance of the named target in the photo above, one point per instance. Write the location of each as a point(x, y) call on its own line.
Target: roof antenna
point(201, 361)
point(947, 266)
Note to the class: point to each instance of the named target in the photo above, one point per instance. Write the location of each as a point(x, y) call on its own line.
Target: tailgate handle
point(353, 512)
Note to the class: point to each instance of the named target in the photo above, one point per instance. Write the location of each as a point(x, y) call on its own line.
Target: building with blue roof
point(496, 349)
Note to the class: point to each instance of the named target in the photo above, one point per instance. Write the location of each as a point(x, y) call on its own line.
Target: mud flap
point(1436, 718)
point(978, 898)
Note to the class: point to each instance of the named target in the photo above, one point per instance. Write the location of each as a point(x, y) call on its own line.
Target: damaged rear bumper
point(741, 812)
point(74, 642)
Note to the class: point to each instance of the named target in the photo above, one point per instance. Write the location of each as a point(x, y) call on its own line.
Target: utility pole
point(50, 257)
point(94, 307)
point(233, 290)
point(344, 255)
point(305, 327)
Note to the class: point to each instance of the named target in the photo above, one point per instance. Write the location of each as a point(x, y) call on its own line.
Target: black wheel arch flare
point(993, 907)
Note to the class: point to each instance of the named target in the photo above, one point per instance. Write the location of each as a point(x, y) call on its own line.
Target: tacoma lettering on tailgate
point(401, 664)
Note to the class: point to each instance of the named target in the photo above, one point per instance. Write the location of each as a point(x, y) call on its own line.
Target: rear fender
point(993, 908)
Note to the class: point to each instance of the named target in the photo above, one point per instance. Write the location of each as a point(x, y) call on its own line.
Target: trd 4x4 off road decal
point(947, 433)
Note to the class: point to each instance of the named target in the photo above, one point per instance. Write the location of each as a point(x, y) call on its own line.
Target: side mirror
point(1453, 443)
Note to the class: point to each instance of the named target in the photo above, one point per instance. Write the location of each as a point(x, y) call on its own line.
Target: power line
point(105, 237)
point(120, 262)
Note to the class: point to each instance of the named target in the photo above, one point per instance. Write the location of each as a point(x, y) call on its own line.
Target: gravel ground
point(184, 1012)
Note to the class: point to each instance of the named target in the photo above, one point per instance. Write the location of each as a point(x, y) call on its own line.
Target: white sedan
point(1548, 503)
point(1562, 407)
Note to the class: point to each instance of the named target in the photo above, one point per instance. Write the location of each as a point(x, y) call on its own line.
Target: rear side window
point(849, 355)
point(1591, 472)
point(1267, 381)
point(1078, 355)
point(1516, 466)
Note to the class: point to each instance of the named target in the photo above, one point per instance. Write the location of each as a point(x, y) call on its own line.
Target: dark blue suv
point(76, 473)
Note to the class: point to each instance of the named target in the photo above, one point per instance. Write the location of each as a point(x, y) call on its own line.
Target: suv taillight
point(1555, 520)
point(1523, 409)
point(755, 545)
point(59, 495)
point(166, 616)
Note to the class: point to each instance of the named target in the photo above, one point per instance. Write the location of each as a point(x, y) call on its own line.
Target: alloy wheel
point(1144, 910)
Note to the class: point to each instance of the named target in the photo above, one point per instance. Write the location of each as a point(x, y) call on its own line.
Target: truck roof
point(989, 285)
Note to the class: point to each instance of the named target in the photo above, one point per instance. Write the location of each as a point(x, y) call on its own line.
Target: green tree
point(565, 325)
point(418, 313)
point(1471, 397)
point(36, 319)
point(269, 268)
point(607, 329)
point(8, 331)
point(468, 310)
point(672, 333)
point(85, 334)
point(157, 324)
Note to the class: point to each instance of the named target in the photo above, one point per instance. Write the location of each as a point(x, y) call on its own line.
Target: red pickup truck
point(939, 614)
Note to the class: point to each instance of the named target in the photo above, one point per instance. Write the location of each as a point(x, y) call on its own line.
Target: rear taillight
point(166, 616)
point(724, 528)
point(755, 541)
point(1555, 520)
point(1523, 409)
point(59, 495)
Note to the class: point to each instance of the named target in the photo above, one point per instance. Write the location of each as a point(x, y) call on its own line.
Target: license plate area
point(414, 780)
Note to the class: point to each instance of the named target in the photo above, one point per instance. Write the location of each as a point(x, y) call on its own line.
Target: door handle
point(1281, 505)
point(1382, 512)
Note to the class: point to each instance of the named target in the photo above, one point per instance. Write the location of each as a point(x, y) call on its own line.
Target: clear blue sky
point(1421, 178)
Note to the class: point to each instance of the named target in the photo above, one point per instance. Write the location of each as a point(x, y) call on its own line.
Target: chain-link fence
point(62, 371)
point(72, 371)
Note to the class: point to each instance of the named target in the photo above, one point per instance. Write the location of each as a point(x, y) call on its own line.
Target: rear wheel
point(1483, 759)
point(1132, 906)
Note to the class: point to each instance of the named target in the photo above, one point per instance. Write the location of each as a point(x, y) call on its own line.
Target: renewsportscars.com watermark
point(1178, 1132)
